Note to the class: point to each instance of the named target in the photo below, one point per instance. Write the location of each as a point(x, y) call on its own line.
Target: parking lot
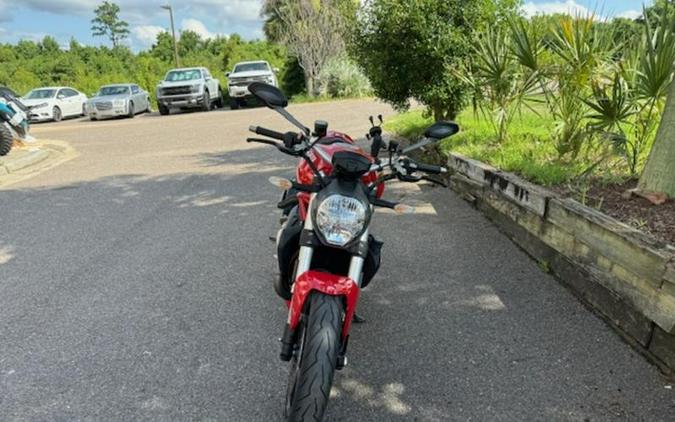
point(135, 284)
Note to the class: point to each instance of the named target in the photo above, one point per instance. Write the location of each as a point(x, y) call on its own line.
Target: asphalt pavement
point(135, 285)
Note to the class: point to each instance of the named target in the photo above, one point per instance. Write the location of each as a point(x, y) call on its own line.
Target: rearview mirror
point(270, 95)
point(441, 130)
point(433, 134)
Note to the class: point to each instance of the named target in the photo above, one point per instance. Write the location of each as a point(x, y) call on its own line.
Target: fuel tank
point(322, 157)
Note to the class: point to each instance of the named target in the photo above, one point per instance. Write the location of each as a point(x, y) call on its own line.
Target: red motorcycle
point(325, 250)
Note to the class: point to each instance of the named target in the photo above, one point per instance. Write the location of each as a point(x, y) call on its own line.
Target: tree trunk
point(309, 84)
point(659, 172)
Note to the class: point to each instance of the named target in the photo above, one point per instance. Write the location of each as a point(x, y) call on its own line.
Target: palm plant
point(498, 81)
point(625, 110)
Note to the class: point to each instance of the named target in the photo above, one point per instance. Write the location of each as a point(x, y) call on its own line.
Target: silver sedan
point(118, 100)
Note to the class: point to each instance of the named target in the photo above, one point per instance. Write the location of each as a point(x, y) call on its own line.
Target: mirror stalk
point(288, 116)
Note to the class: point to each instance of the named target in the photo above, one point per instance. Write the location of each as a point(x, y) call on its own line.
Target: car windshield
point(251, 67)
point(183, 75)
point(40, 94)
point(113, 90)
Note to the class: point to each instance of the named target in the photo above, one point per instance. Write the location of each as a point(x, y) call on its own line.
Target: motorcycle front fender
point(326, 283)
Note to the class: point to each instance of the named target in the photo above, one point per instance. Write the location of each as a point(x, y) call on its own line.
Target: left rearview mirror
point(270, 95)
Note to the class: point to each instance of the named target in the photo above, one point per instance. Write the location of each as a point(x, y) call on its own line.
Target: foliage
point(527, 151)
point(28, 65)
point(311, 30)
point(342, 78)
point(108, 24)
point(416, 50)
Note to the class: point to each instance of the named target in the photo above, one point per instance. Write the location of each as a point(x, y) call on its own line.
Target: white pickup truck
point(192, 87)
point(245, 73)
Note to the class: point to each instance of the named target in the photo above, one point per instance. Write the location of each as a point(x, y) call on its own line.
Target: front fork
point(355, 274)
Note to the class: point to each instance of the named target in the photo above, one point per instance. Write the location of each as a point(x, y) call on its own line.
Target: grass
point(528, 151)
point(304, 98)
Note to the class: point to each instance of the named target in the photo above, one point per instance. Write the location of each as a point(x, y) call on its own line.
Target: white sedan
point(57, 103)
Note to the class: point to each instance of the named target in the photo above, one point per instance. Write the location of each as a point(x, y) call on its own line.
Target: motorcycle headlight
point(340, 219)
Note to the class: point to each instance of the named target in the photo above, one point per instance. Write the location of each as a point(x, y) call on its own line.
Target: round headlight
point(339, 219)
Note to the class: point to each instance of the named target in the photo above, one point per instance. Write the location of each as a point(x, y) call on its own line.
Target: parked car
point(118, 100)
point(58, 102)
point(189, 88)
point(245, 73)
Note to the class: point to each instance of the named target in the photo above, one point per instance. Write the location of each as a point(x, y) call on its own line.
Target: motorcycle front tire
point(311, 376)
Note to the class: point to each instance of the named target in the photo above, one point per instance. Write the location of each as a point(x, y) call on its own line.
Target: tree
point(311, 30)
point(417, 49)
point(108, 24)
point(659, 172)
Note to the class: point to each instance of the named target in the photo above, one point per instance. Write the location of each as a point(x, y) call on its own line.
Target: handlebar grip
point(266, 132)
point(427, 168)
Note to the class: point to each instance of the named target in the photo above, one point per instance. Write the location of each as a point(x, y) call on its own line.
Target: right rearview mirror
point(433, 134)
point(441, 130)
point(270, 95)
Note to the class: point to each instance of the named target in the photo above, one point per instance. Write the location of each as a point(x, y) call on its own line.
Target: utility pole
point(173, 33)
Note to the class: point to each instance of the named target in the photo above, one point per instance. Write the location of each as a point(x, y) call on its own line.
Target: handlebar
point(267, 132)
point(425, 168)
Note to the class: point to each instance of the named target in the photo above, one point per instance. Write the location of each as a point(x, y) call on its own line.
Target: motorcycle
point(326, 253)
point(14, 122)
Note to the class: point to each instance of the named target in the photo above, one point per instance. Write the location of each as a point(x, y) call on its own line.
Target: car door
point(210, 83)
point(70, 100)
point(137, 98)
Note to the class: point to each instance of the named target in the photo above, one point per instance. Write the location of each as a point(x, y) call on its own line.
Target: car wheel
point(132, 112)
point(164, 110)
point(148, 109)
point(56, 114)
point(206, 102)
point(92, 118)
point(234, 104)
point(84, 110)
point(220, 102)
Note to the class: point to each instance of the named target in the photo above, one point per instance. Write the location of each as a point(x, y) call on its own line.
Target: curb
point(24, 162)
point(9, 164)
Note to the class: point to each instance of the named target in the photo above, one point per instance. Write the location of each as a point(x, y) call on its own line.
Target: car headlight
point(119, 103)
point(196, 88)
point(340, 219)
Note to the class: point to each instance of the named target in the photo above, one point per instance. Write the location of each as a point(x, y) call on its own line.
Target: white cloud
point(570, 7)
point(146, 35)
point(198, 27)
point(630, 14)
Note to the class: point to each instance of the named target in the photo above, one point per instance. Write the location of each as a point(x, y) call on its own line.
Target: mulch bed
point(658, 220)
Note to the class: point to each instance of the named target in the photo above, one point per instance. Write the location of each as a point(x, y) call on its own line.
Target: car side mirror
point(60, 97)
point(268, 94)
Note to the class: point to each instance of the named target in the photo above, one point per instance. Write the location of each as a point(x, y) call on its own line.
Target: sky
point(66, 19)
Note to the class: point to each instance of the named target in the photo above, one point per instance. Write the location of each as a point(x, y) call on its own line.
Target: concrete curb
point(30, 160)
point(21, 159)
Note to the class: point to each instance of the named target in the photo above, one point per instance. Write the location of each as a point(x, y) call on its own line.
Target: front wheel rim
point(293, 375)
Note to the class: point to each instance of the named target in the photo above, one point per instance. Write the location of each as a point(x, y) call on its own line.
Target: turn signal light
point(401, 209)
point(281, 183)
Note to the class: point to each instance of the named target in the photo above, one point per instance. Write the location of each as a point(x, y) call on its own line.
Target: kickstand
point(358, 319)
